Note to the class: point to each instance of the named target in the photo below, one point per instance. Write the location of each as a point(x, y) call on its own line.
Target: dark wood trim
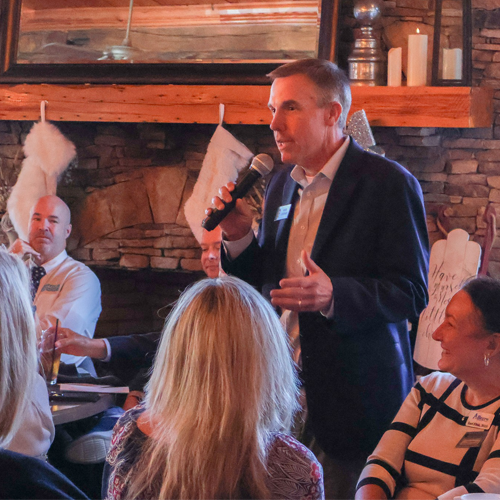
point(10, 16)
point(466, 80)
point(436, 44)
point(174, 73)
point(327, 42)
point(467, 43)
point(182, 73)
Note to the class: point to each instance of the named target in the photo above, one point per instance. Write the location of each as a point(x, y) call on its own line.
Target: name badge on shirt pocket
point(50, 288)
point(282, 212)
point(472, 439)
point(480, 420)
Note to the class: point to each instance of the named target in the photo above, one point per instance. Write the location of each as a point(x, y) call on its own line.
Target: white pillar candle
point(417, 60)
point(394, 67)
point(452, 64)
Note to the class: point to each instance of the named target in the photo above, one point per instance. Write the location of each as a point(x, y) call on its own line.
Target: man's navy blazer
point(372, 242)
point(132, 357)
point(138, 348)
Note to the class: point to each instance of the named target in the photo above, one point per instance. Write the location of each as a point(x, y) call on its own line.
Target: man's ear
point(334, 110)
point(69, 227)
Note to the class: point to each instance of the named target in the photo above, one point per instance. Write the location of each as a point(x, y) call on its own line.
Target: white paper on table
point(452, 262)
point(103, 389)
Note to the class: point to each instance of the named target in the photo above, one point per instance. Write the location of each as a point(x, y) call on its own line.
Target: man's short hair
point(328, 77)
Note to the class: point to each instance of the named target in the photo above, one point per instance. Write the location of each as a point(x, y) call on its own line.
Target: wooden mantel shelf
point(460, 107)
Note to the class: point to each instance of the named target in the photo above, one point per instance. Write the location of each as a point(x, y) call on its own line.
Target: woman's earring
point(486, 359)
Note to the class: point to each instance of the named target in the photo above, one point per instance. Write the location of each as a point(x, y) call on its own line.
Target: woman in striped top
point(444, 441)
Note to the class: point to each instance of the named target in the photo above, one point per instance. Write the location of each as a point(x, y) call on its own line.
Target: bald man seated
point(63, 288)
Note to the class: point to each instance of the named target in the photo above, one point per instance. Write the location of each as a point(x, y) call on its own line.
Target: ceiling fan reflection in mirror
point(62, 52)
point(77, 50)
point(125, 51)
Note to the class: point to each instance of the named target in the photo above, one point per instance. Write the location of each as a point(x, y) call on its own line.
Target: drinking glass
point(49, 357)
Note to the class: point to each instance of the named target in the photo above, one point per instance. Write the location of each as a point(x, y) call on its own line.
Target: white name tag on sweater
point(480, 420)
point(472, 439)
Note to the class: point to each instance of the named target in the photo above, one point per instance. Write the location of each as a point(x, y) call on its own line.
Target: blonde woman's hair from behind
point(18, 353)
point(222, 382)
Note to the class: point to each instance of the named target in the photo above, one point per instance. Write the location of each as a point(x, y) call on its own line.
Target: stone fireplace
point(126, 192)
point(131, 181)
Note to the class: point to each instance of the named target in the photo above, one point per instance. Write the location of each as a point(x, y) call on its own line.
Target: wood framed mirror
point(160, 41)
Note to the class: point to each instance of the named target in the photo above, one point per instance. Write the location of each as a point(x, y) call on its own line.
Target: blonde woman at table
point(26, 426)
point(218, 407)
point(25, 419)
point(444, 441)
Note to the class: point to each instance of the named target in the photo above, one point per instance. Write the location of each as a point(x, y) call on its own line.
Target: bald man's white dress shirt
point(70, 292)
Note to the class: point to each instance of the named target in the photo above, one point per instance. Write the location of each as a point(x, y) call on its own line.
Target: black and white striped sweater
point(420, 448)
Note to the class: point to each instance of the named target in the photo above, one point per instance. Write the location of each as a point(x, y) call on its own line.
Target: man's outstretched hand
point(70, 342)
point(310, 293)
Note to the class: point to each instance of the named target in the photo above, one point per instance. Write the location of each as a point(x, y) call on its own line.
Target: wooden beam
point(460, 107)
point(136, 103)
point(276, 12)
point(77, 4)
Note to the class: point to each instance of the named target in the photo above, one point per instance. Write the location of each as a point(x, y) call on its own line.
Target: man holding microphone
point(342, 253)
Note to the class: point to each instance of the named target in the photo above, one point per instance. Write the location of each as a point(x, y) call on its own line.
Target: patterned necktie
point(37, 273)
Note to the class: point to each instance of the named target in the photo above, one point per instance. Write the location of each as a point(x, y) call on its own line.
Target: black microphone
point(261, 165)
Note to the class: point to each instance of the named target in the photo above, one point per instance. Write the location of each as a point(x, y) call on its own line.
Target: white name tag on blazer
point(480, 420)
point(282, 212)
